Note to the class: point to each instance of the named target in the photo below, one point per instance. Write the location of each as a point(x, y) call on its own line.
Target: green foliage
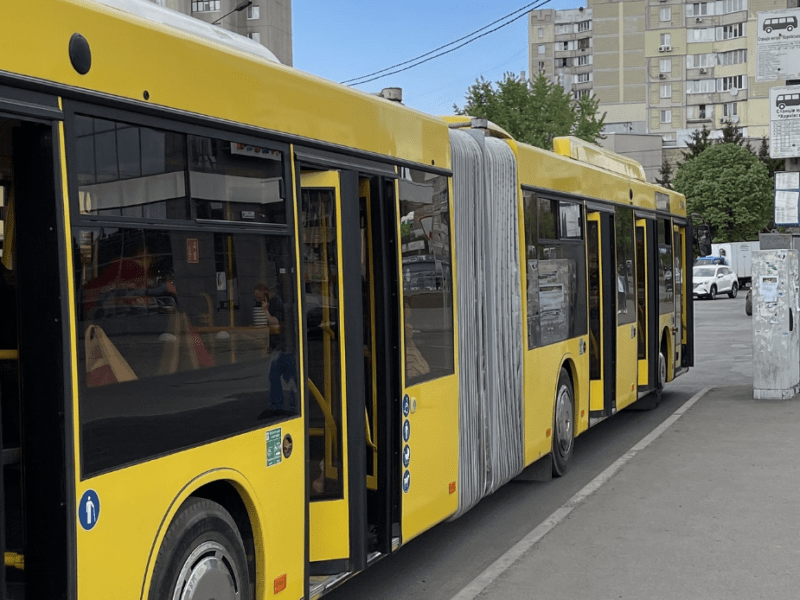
point(698, 141)
point(665, 172)
point(731, 134)
point(772, 164)
point(731, 188)
point(534, 111)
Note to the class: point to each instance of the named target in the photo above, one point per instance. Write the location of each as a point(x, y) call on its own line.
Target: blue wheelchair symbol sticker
point(406, 405)
point(406, 456)
point(406, 482)
point(406, 431)
point(89, 509)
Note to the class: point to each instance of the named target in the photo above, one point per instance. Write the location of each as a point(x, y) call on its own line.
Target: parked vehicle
point(710, 280)
point(737, 255)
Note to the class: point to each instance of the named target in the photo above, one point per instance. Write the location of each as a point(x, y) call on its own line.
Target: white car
point(710, 280)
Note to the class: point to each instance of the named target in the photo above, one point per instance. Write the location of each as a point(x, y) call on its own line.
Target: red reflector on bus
point(280, 583)
point(452, 487)
point(548, 433)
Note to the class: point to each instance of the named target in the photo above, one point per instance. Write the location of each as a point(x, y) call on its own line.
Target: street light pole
point(239, 8)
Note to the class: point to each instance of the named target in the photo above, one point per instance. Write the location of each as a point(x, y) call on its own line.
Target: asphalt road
point(438, 564)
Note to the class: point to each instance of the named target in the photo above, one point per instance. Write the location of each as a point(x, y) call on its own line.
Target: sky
point(349, 39)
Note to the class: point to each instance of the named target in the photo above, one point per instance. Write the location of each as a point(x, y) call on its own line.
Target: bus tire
point(202, 548)
point(563, 425)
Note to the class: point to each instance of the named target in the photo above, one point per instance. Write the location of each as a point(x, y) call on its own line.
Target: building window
point(701, 86)
point(699, 9)
point(584, 59)
point(161, 2)
point(729, 6)
point(666, 116)
point(666, 90)
point(583, 77)
point(737, 82)
point(698, 112)
point(253, 12)
point(581, 93)
point(565, 46)
point(205, 6)
point(565, 28)
point(566, 62)
point(694, 61)
point(584, 26)
point(729, 32)
point(734, 57)
point(583, 44)
point(541, 66)
point(541, 32)
point(704, 34)
point(255, 36)
point(665, 65)
point(665, 14)
point(729, 109)
point(665, 39)
point(541, 49)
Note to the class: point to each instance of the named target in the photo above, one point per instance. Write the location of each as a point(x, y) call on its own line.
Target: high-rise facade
point(666, 66)
point(268, 22)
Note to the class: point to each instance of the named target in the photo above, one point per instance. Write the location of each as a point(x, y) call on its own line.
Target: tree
point(731, 188)
point(731, 134)
point(534, 111)
point(698, 141)
point(772, 164)
point(666, 175)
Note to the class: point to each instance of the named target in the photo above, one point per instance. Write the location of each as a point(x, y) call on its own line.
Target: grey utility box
point(776, 331)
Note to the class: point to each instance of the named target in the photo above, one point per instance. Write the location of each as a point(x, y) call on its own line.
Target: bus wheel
point(662, 368)
point(202, 556)
point(563, 425)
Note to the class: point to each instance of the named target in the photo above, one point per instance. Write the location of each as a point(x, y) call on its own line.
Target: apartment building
point(666, 67)
point(561, 48)
point(268, 22)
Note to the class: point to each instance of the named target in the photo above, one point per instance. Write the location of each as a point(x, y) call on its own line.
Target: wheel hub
point(208, 574)
point(564, 422)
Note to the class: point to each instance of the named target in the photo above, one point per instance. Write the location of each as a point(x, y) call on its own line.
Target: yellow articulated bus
point(260, 330)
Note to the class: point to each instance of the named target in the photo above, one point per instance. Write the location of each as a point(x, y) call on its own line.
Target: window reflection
point(626, 266)
point(232, 181)
point(183, 337)
point(427, 275)
point(665, 274)
point(129, 171)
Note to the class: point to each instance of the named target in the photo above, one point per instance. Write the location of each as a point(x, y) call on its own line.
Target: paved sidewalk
point(710, 509)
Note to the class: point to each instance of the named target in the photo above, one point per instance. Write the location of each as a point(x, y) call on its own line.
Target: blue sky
point(344, 40)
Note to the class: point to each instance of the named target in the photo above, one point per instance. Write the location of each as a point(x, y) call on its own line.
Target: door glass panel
point(666, 294)
point(368, 310)
point(593, 254)
point(641, 291)
point(626, 284)
point(427, 276)
point(321, 267)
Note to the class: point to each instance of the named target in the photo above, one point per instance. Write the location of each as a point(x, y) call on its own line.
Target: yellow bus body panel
point(627, 365)
point(116, 558)
point(131, 55)
point(434, 456)
point(542, 366)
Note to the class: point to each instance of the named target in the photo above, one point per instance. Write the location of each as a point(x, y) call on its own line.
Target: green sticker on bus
point(273, 447)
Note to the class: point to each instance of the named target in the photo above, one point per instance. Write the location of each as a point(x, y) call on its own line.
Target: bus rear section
point(35, 480)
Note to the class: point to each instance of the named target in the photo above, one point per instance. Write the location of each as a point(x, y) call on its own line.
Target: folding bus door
point(603, 289)
point(647, 262)
point(334, 354)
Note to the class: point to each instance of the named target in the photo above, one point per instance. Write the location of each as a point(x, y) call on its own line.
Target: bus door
point(349, 277)
point(34, 400)
point(679, 328)
point(602, 313)
point(335, 369)
point(647, 303)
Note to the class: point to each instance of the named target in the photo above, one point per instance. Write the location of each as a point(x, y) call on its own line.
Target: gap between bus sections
point(498, 567)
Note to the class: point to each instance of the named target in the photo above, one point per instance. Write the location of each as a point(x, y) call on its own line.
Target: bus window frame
point(73, 109)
